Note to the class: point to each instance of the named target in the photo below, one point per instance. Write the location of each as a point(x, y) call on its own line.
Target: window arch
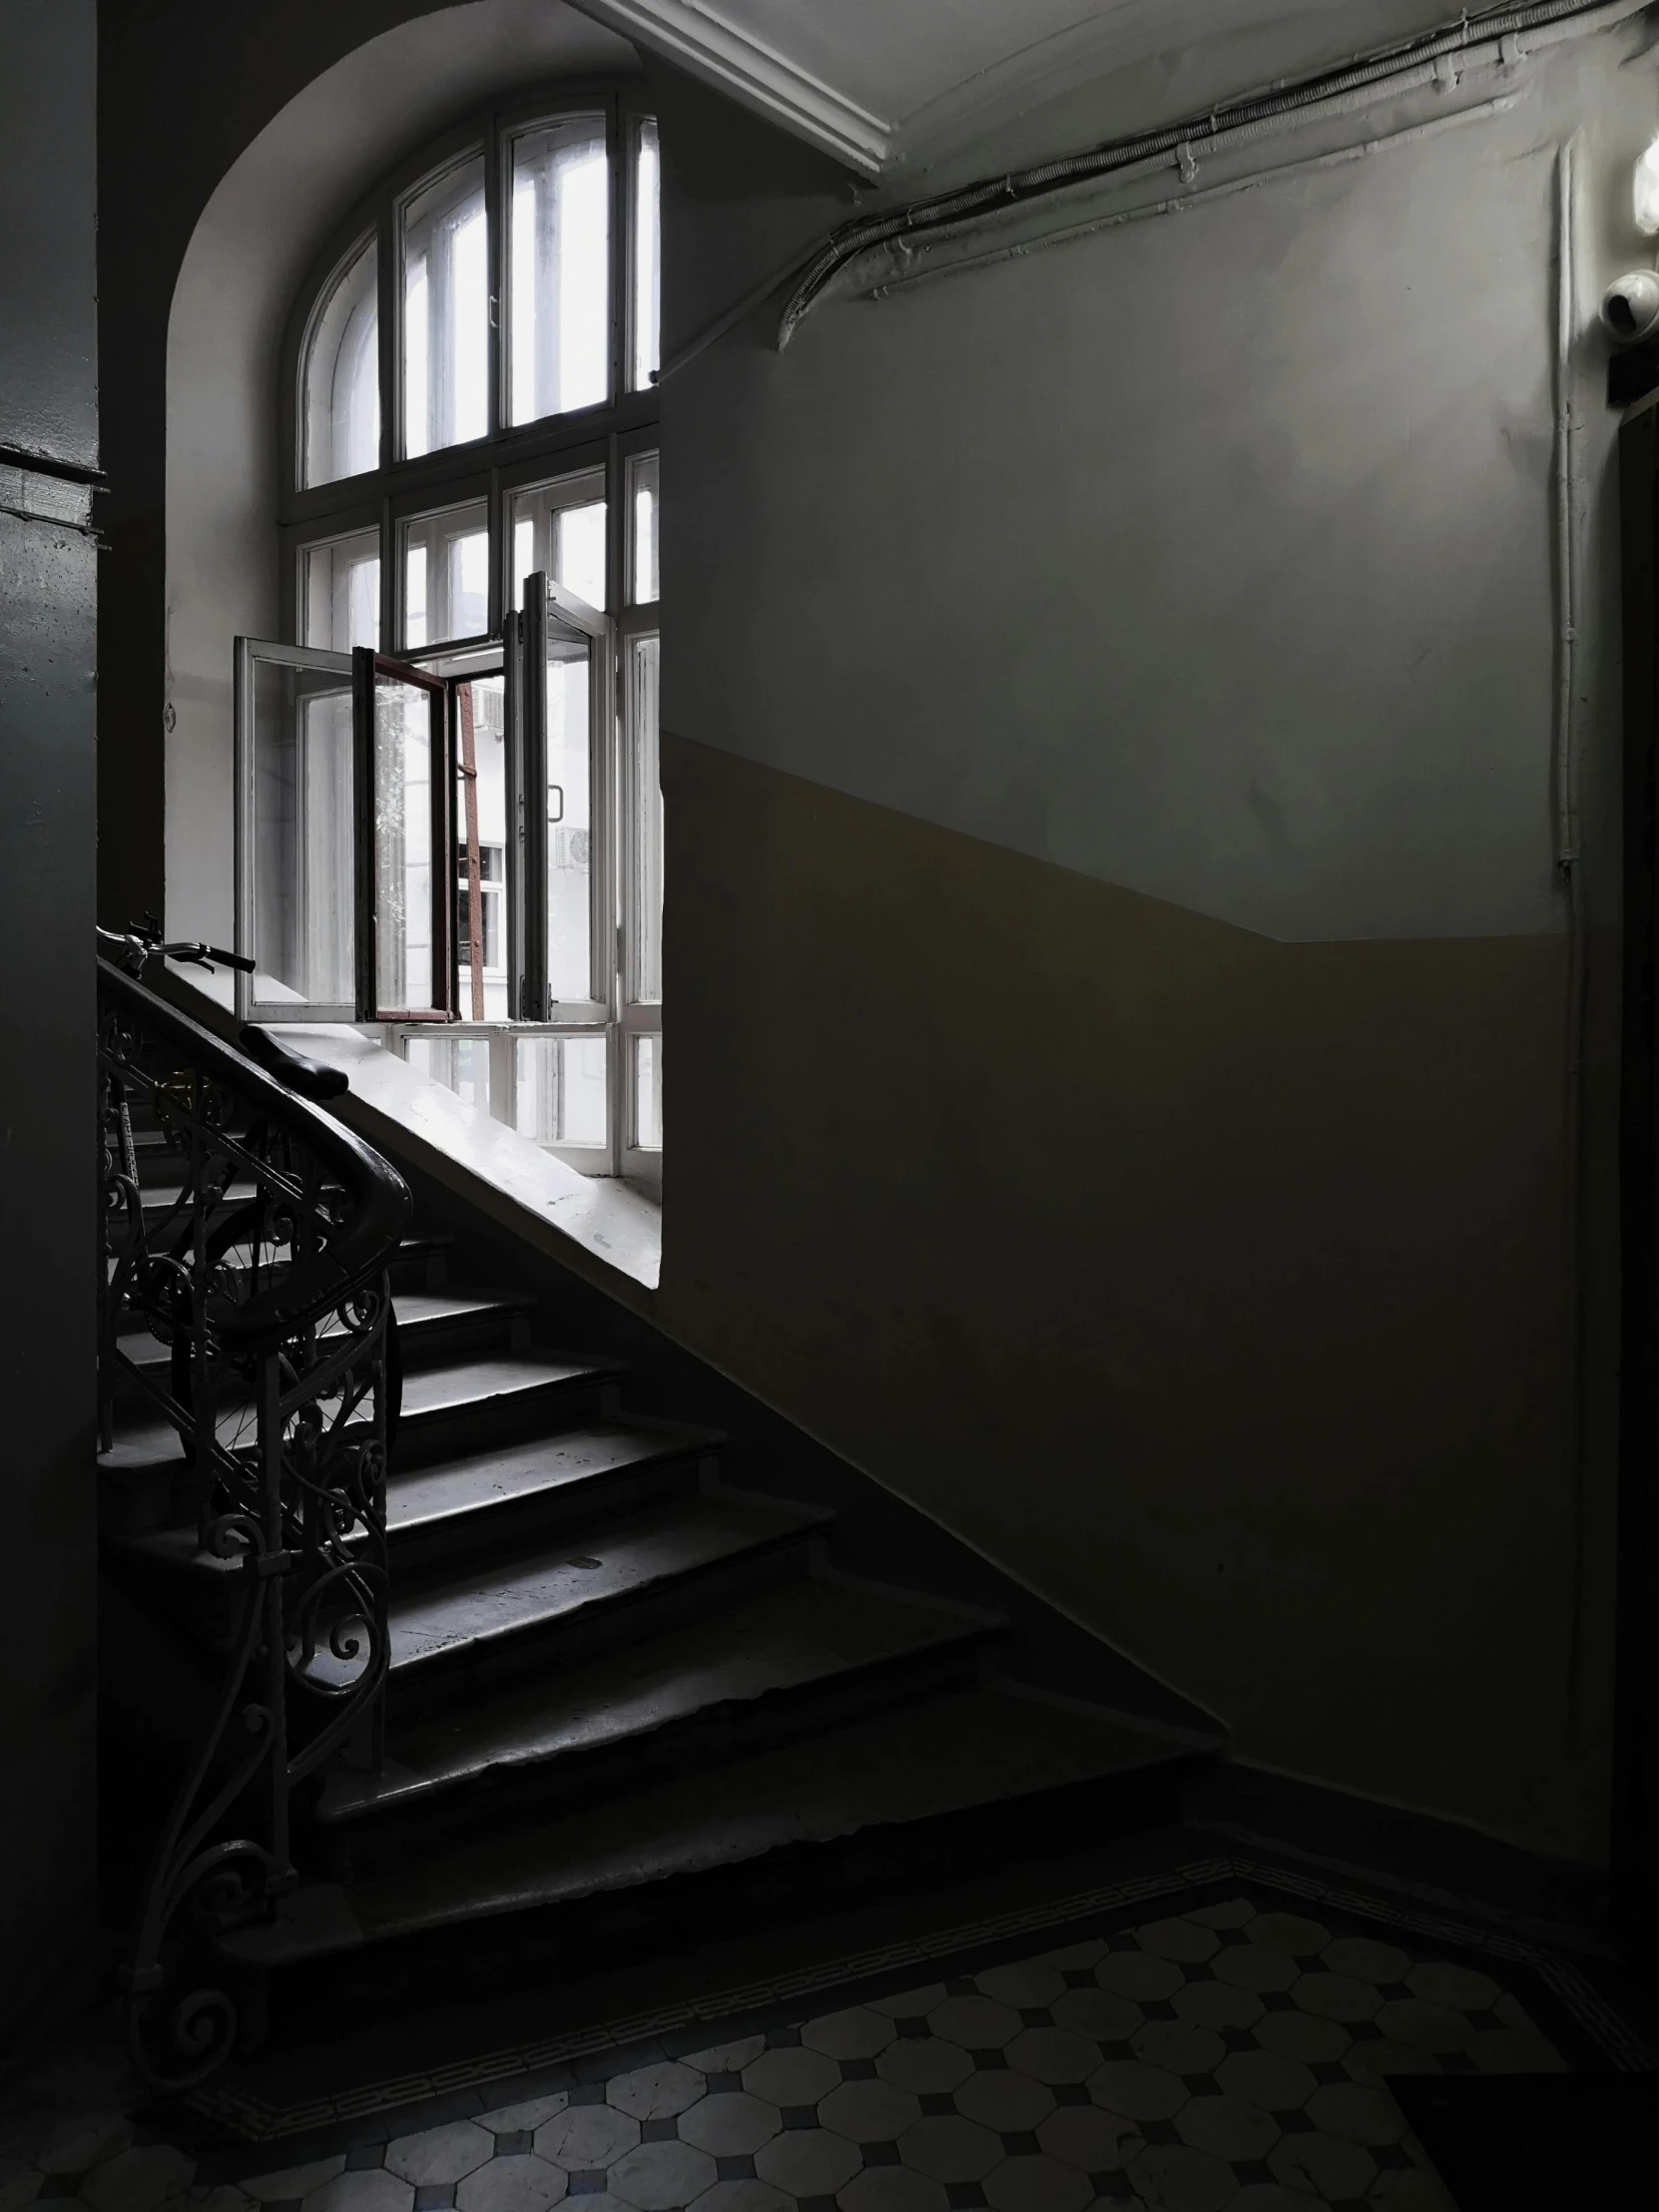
point(470, 403)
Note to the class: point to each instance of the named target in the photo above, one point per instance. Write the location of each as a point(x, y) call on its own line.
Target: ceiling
point(892, 84)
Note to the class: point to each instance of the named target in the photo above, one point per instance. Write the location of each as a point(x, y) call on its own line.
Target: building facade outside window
point(470, 526)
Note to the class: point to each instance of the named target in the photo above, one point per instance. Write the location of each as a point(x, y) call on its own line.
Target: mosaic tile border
point(224, 2117)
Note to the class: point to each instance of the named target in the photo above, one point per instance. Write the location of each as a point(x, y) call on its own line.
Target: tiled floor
point(1233, 2050)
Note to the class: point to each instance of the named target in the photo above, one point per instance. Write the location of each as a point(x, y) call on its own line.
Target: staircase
point(622, 1693)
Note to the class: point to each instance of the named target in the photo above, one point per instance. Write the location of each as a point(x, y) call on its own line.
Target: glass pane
point(559, 225)
point(559, 529)
point(339, 401)
point(481, 848)
point(341, 593)
point(446, 575)
point(303, 937)
point(646, 919)
point(446, 310)
point(569, 821)
point(561, 1090)
point(648, 1093)
point(643, 580)
point(460, 1065)
point(405, 976)
point(647, 257)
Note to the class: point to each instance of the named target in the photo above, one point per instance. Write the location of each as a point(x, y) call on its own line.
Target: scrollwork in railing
point(244, 1301)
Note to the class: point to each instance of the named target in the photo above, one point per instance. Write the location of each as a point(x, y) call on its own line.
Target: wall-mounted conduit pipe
point(1499, 35)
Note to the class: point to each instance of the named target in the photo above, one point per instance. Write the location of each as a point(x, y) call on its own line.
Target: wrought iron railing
point(245, 1302)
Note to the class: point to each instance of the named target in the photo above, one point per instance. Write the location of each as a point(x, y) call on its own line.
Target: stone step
point(454, 1635)
point(459, 1406)
point(752, 1674)
point(508, 1498)
point(434, 1326)
point(923, 1792)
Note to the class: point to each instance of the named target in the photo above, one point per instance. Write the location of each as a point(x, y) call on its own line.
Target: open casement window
point(342, 826)
point(406, 838)
point(568, 781)
point(567, 1088)
point(296, 834)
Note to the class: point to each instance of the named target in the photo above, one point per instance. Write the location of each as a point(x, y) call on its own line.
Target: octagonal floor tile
point(1137, 2090)
point(808, 2162)
point(793, 2076)
point(892, 2189)
point(656, 2092)
point(728, 2057)
point(1255, 1966)
point(1262, 2078)
point(1179, 2046)
point(1375, 2058)
point(949, 2148)
point(1180, 1940)
point(374, 2190)
point(1012, 2104)
point(1138, 1974)
point(742, 2196)
point(1216, 2005)
point(924, 2064)
point(1027, 1985)
point(1290, 1932)
point(1182, 2179)
point(1439, 1982)
point(1032, 2183)
point(870, 2111)
point(1052, 2054)
point(1323, 2165)
point(1430, 2027)
point(292, 2182)
point(911, 2004)
point(662, 2177)
point(1357, 2113)
point(974, 2023)
point(1303, 2035)
point(730, 2124)
point(1365, 1958)
point(585, 2137)
point(1227, 2127)
point(1101, 2014)
point(1235, 1912)
point(439, 2154)
point(1092, 2140)
point(513, 2185)
point(858, 2033)
point(1337, 1996)
point(513, 2119)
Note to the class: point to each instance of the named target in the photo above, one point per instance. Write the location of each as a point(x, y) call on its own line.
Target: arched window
point(472, 491)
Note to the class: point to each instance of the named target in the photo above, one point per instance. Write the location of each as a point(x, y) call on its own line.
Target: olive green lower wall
point(1212, 1286)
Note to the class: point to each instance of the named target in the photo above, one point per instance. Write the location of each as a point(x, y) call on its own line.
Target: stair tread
point(589, 1568)
point(414, 1309)
point(427, 1496)
point(777, 1639)
point(953, 1754)
point(452, 1384)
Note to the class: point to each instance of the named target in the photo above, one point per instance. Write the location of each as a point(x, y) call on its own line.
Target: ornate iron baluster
point(274, 1310)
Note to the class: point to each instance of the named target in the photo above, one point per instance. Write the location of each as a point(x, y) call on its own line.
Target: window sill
point(530, 1192)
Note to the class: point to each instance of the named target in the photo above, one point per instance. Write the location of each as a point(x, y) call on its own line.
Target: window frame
point(507, 459)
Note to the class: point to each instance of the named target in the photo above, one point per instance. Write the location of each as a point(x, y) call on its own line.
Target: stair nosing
point(939, 1634)
point(559, 1888)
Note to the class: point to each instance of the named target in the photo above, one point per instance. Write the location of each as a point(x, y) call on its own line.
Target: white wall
point(1211, 555)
